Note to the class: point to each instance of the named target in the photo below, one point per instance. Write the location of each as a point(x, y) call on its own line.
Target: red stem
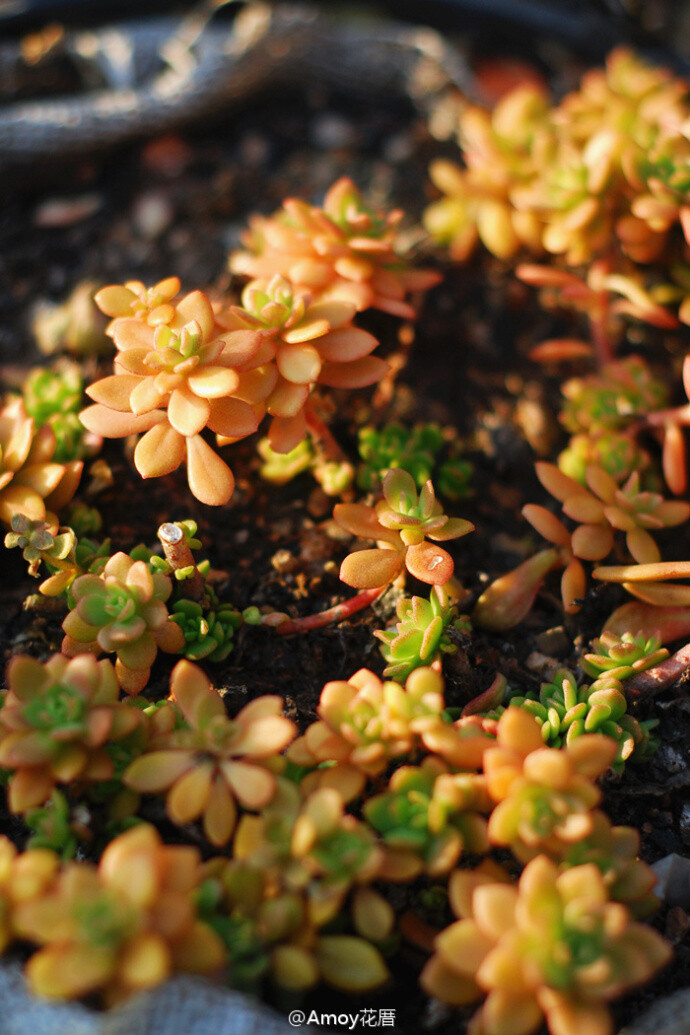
point(322, 434)
point(659, 678)
point(599, 329)
point(333, 614)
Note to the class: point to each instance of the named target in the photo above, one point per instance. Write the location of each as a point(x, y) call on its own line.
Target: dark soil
point(273, 545)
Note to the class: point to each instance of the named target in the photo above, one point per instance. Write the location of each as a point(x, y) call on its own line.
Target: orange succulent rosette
point(306, 343)
point(343, 251)
point(174, 377)
point(31, 483)
point(216, 761)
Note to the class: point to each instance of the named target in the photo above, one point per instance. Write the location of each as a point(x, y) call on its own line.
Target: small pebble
point(398, 148)
point(554, 642)
point(152, 214)
point(542, 664)
point(55, 213)
point(332, 131)
point(283, 561)
point(254, 149)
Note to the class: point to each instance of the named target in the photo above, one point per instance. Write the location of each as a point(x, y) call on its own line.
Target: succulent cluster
point(418, 451)
point(32, 483)
point(292, 870)
point(184, 365)
point(343, 251)
point(54, 396)
point(393, 780)
point(567, 710)
point(598, 180)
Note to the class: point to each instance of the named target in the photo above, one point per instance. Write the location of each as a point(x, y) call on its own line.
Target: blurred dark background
point(590, 27)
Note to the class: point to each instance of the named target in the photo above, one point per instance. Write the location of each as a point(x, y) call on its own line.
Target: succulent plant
point(620, 657)
point(177, 372)
point(615, 853)
point(120, 928)
point(555, 947)
point(291, 869)
point(500, 149)
point(214, 762)
point(53, 396)
point(122, 611)
point(280, 468)
point(566, 710)
point(544, 795)
point(56, 720)
point(265, 919)
point(83, 519)
point(135, 300)
point(208, 633)
point(415, 450)
point(612, 398)
point(601, 508)
point(30, 479)
point(420, 635)
point(428, 816)
point(310, 844)
point(343, 252)
point(401, 521)
point(52, 827)
point(618, 455)
point(364, 722)
point(306, 343)
point(605, 507)
point(39, 543)
point(23, 876)
point(76, 325)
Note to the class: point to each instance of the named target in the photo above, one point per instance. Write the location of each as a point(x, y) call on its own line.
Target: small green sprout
point(54, 397)
point(622, 656)
point(421, 634)
point(84, 520)
point(208, 633)
point(38, 543)
point(52, 827)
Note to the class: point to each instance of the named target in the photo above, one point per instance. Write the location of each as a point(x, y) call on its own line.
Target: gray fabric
point(182, 1006)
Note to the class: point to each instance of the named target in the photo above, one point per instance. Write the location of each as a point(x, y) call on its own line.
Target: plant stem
point(178, 555)
point(659, 678)
point(332, 614)
point(599, 330)
point(322, 434)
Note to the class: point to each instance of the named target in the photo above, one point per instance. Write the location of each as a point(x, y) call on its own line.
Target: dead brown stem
point(178, 555)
